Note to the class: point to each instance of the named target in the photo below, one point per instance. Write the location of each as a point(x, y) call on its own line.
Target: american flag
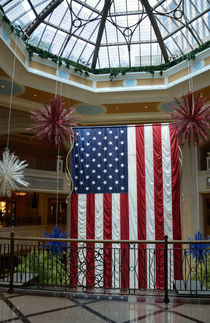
point(126, 187)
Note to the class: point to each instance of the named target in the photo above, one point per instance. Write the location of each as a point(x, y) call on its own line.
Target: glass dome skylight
point(113, 33)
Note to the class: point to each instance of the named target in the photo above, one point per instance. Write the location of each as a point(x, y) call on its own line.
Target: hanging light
point(20, 193)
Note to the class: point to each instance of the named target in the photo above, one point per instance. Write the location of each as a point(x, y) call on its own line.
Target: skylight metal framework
point(100, 32)
point(152, 18)
point(113, 33)
point(40, 18)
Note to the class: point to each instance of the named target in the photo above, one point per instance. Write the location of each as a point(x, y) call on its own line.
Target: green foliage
point(51, 269)
point(201, 271)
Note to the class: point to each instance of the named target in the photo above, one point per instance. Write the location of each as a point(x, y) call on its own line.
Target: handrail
point(107, 241)
point(72, 250)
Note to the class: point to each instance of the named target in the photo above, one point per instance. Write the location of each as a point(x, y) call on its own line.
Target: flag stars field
point(108, 161)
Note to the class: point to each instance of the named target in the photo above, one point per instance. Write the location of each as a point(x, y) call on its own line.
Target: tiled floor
point(37, 309)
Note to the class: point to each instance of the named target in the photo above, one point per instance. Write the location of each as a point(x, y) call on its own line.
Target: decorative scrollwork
point(109, 267)
point(179, 7)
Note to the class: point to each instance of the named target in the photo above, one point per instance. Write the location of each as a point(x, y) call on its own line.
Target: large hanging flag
point(126, 187)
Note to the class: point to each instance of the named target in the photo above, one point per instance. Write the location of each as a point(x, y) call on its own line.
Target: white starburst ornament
point(11, 173)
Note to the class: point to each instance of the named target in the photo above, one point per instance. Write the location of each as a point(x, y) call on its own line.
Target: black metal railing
point(122, 267)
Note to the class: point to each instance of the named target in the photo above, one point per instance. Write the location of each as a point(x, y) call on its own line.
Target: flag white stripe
point(132, 202)
point(99, 236)
point(167, 193)
point(150, 213)
point(82, 200)
point(116, 236)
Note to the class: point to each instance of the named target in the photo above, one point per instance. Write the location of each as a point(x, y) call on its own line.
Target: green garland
point(85, 70)
point(14, 29)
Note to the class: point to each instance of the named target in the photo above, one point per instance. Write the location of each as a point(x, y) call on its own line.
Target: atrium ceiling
point(112, 33)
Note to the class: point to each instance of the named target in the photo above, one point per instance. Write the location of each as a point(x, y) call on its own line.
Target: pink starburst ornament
point(53, 123)
point(191, 117)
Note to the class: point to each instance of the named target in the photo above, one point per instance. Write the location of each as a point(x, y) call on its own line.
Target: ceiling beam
point(156, 29)
point(32, 7)
point(43, 14)
point(85, 5)
point(100, 32)
point(66, 32)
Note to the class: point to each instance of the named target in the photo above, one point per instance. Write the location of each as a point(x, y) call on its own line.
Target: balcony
point(45, 181)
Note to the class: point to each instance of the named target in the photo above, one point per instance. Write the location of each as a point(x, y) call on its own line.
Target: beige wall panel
point(177, 75)
point(152, 81)
point(207, 61)
point(42, 67)
point(102, 84)
point(18, 51)
point(81, 80)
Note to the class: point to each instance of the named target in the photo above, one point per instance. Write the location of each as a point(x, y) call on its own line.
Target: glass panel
point(40, 5)
point(201, 29)
point(47, 38)
point(12, 4)
point(124, 58)
point(58, 15)
point(66, 21)
point(18, 10)
point(68, 49)
point(156, 54)
point(103, 59)
point(111, 31)
point(79, 45)
point(90, 31)
point(35, 37)
point(113, 56)
point(172, 46)
point(3, 2)
point(97, 4)
point(136, 36)
point(135, 55)
point(204, 24)
point(86, 54)
point(25, 20)
point(95, 25)
point(145, 54)
point(57, 42)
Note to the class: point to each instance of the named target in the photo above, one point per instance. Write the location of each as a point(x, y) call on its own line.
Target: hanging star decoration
point(190, 118)
point(11, 173)
point(199, 251)
point(53, 123)
point(56, 247)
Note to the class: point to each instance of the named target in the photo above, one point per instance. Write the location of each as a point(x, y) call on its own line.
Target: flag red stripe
point(90, 234)
point(74, 245)
point(176, 202)
point(107, 214)
point(124, 235)
point(158, 204)
point(141, 207)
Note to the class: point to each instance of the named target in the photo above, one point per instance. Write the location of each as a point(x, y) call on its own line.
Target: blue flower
point(199, 251)
point(56, 247)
